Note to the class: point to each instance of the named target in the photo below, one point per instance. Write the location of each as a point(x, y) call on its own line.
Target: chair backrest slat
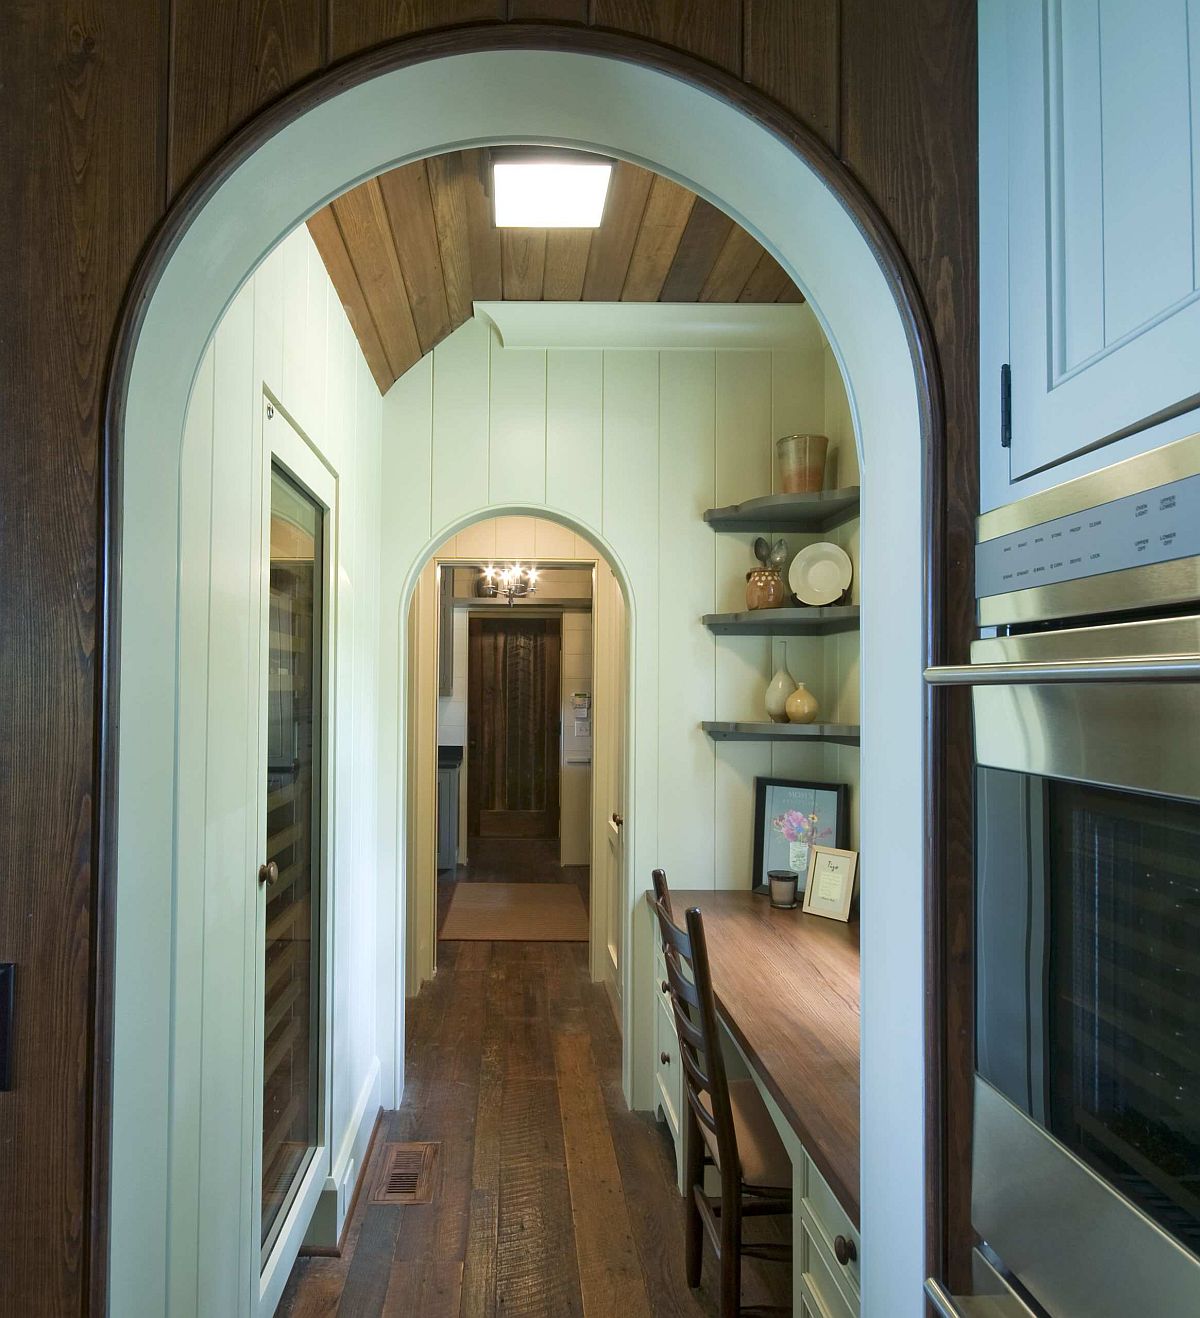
point(694, 1009)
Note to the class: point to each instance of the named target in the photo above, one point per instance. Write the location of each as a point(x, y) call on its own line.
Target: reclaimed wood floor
point(553, 1199)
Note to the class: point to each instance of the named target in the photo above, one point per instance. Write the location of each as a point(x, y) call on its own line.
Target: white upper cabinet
point(1090, 228)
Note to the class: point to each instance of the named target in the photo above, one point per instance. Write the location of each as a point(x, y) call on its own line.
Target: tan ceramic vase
point(765, 589)
point(801, 705)
point(801, 463)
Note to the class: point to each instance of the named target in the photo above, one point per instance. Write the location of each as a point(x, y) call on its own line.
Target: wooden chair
point(728, 1126)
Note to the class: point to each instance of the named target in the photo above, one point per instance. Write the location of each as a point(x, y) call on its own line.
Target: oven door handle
point(1137, 668)
point(941, 1300)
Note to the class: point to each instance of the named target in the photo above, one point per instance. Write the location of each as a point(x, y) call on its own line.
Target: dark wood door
point(512, 726)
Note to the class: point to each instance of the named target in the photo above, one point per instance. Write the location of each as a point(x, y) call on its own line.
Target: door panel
point(1102, 190)
point(513, 713)
point(291, 961)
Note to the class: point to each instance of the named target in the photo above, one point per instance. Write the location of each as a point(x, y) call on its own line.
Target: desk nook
point(785, 986)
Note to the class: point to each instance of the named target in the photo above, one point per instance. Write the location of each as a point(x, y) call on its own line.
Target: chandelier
point(514, 582)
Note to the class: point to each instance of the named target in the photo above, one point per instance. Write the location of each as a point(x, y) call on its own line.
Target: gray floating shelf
point(785, 622)
point(788, 512)
point(845, 734)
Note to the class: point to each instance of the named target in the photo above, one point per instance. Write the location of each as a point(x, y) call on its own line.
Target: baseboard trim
point(335, 1251)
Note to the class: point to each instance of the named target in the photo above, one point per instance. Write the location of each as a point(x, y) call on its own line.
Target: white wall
point(285, 333)
point(632, 445)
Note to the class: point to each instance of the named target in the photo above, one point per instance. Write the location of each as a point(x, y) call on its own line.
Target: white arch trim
point(709, 145)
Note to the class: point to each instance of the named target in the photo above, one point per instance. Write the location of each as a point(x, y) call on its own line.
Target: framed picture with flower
point(790, 817)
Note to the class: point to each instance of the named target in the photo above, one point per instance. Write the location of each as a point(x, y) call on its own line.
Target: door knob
point(844, 1250)
point(665, 1058)
point(618, 819)
point(268, 874)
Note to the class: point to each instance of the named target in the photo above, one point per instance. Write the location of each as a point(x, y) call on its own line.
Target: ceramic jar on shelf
point(765, 589)
point(801, 460)
point(778, 689)
point(801, 706)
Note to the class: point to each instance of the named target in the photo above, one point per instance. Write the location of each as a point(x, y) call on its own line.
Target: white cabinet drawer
point(818, 1282)
point(816, 1272)
point(666, 1073)
point(830, 1220)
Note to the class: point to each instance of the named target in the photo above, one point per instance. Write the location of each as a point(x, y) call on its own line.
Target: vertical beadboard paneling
point(407, 460)
point(517, 469)
point(228, 920)
point(575, 433)
point(742, 667)
point(295, 384)
point(460, 423)
point(687, 553)
point(631, 412)
point(286, 329)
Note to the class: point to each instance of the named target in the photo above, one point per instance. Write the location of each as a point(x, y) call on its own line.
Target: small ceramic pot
point(765, 589)
point(801, 461)
point(778, 689)
point(783, 884)
point(801, 705)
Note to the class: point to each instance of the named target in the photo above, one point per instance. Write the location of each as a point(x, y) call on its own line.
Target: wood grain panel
point(667, 210)
point(566, 264)
point(451, 215)
point(227, 60)
point(912, 141)
point(486, 277)
point(732, 269)
point(768, 281)
point(612, 244)
point(331, 246)
point(414, 235)
point(523, 263)
point(700, 244)
point(363, 220)
point(356, 25)
point(656, 241)
point(711, 29)
point(792, 52)
point(84, 104)
point(542, 11)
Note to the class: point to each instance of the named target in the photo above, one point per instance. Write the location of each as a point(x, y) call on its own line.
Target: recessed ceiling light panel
point(549, 191)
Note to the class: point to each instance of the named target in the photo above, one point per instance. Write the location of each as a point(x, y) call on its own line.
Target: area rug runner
point(516, 912)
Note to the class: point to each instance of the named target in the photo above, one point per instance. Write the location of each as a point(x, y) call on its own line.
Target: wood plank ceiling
point(410, 251)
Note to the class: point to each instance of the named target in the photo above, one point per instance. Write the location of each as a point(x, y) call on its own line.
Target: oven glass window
point(1089, 979)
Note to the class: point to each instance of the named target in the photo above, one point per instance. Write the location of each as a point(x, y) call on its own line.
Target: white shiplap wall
point(630, 447)
point(285, 333)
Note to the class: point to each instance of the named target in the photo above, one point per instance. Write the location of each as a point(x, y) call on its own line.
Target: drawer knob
point(844, 1250)
point(665, 1058)
point(666, 988)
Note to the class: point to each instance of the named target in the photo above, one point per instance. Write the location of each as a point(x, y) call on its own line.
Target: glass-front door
point(292, 877)
point(1088, 965)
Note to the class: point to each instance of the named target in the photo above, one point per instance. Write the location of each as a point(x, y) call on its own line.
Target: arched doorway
point(527, 534)
point(807, 212)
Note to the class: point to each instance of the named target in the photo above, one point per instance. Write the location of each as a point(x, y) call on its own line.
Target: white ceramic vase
point(778, 689)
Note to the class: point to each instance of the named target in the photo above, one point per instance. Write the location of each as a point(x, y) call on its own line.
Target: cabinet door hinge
point(1006, 406)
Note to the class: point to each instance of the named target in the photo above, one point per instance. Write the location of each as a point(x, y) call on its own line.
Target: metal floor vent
point(405, 1174)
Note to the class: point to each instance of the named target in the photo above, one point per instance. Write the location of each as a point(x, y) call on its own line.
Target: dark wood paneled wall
point(108, 109)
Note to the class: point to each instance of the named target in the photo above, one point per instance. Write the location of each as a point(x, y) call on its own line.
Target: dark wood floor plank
point(610, 1272)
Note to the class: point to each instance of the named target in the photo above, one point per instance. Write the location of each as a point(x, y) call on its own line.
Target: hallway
point(551, 1198)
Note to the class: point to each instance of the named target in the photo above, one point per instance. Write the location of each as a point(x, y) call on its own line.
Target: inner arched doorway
point(811, 217)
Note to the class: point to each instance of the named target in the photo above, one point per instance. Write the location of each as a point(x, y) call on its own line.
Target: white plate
point(820, 573)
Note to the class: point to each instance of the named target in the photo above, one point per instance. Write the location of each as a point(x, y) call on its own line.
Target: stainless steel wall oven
point(1086, 697)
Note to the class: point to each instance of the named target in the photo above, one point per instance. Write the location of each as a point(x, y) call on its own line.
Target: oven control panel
point(1151, 526)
